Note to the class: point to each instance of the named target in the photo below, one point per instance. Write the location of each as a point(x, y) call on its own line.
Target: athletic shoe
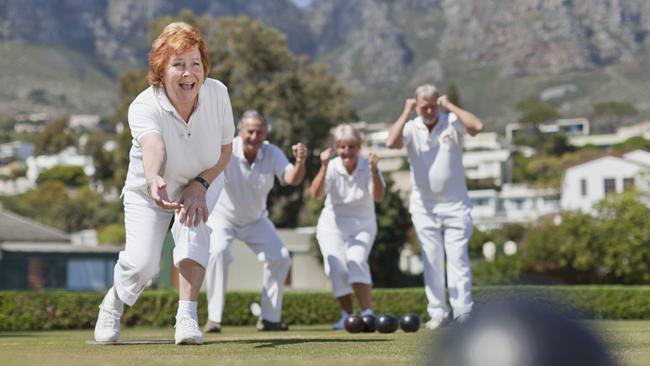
point(107, 327)
point(265, 325)
point(188, 332)
point(462, 318)
point(340, 324)
point(212, 327)
point(434, 324)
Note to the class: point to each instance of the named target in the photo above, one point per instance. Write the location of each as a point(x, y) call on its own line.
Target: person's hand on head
point(409, 105)
point(299, 151)
point(443, 101)
point(195, 208)
point(157, 190)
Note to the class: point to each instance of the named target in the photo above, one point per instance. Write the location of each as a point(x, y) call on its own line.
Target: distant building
point(607, 140)
point(37, 257)
point(16, 150)
point(568, 126)
point(514, 203)
point(84, 121)
point(585, 184)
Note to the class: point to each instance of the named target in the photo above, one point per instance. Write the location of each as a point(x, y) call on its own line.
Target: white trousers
point(446, 234)
point(146, 227)
point(345, 245)
point(262, 238)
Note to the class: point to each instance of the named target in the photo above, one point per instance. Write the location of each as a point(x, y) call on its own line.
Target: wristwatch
point(203, 182)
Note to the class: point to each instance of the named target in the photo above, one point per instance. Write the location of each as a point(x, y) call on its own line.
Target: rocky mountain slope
point(497, 52)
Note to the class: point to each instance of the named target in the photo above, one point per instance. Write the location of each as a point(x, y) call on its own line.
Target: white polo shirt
point(243, 200)
point(436, 159)
point(191, 147)
point(350, 195)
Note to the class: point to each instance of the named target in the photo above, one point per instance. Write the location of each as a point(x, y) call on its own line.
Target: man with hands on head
point(241, 213)
point(439, 203)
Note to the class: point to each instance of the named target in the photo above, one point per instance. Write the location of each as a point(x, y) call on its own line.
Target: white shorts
point(345, 245)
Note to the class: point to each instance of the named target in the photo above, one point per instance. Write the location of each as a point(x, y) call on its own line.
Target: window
point(628, 184)
point(610, 185)
point(583, 187)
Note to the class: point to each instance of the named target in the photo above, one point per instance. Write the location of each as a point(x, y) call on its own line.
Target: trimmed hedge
point(78, 310)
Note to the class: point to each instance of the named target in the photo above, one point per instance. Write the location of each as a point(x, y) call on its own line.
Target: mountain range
point(65, 55)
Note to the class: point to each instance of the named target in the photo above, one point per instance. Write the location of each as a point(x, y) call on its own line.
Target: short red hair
point(176, 38)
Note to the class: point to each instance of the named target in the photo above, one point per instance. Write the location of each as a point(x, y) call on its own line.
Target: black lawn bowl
point(354, 324)
point(410, 323)
point(387, 323)
point(369, 323)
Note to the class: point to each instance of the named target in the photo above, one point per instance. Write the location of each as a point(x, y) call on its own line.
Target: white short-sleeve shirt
point(243, 200)
point(349, 195)
point(191, 147)
point(436, 159)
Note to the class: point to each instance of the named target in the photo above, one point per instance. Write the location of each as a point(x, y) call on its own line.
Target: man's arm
point(472, 124)
point(295, 175)
point(394, 140)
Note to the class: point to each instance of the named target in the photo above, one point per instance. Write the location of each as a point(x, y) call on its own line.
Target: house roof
point(30, 247)
point(15, 228)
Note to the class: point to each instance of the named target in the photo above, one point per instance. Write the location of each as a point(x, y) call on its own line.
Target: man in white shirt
point(241, 213)
point(439, 204)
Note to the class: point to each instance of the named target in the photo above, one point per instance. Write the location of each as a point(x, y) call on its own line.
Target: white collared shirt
point(191, 147)
point(243, 200)
point(436, 159)
point(350, 195)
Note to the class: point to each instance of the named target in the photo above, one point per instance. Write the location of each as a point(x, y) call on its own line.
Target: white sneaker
point(107, 327)
point(434, 324)
point(188, 332)
point(340, 324)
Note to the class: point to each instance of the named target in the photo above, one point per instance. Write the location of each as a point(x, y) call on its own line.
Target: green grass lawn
point(306, 345)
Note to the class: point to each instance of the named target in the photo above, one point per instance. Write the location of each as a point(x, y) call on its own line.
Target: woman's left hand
point(194, 208)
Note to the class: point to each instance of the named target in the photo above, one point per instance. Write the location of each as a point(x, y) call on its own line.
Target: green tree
point(613, 246)
point(103, 160)
point(636, 142)
point(614, 108)
point(70, 175)
point(55, 137)
point(534, 111)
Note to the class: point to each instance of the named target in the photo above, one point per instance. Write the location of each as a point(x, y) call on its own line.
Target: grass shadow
point(272, 343)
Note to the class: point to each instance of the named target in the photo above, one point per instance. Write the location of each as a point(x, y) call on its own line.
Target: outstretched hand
point(157, 190)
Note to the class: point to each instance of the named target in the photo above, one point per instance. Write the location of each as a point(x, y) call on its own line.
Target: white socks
point(367, 312)
point(187, 309)
point(113, 303)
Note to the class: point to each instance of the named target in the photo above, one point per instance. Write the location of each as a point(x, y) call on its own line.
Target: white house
point(569, 126)
point(585, 184)
point(514, 203)
point(495, 165)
